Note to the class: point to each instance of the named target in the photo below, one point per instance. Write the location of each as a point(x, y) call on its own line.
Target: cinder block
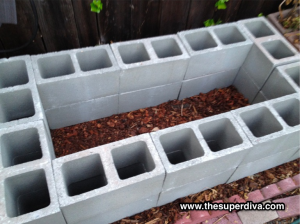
point(69, 77)
point(150, 62)
point(215, 49)
point(260, 97)
point(108, 177)
point(82, 112)
point(122, 212)
point(192, 87)
point(262, 164)
point(209, 145)
point(28, 195)
point(26, 143)
point(266, 54)
point(194, 187)
point(256, 28)
point(266, 130)
point(148, 97)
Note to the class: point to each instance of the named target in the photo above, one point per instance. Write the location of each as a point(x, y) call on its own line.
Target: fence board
point(145, 18)
point(86, 23)
point(230, 13)
point(174, 16)
point(14, 36)
point(57, 23)
point(2, 55)
point(250, 8)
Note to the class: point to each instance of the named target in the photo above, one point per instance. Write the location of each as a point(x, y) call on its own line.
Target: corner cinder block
point(215, 49)
point(27, 143)
point(108, 177)
point(28, 195)
point(81, 112)
point(148, 97)
point(69, 77)
point(192, 87)
point(19, 99)
point(150, 62)
point(207, 145)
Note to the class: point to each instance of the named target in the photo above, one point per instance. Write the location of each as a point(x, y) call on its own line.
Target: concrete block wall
point(135, 174)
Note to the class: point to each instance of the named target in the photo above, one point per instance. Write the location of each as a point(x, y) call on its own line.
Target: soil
point(117, 127)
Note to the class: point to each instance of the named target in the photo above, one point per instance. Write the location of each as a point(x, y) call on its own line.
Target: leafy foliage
point(211, 22)
point(260, 14)
point(221, 4)
point(96, 6)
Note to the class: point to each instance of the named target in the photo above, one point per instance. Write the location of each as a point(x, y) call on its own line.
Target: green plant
point(292, 19)
point(221, 4)
point(260, 14)
point(96, 6)
point(211, 22)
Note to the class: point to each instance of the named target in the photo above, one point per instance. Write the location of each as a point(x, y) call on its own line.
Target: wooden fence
point(67, 24)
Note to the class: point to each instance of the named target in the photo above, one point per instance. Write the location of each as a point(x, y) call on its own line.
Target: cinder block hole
point(166, 48)
point(259, 29)
point(83, 175)
point(16, 105)
point(20, 147)
point(93, 60)
point(220, 134)
point(55, 66)
point(289, 111)
point(132, 160)
point(261, 122)
point(13, 73)
point(229, 35)
point(27, 192)
point(200, 40)
point(133, 53)
point(181, 146)
point(277, 49)
point(294, 73)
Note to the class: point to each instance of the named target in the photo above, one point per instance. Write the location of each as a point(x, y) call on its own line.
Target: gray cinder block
point(215, 49)
point(25, 143)
point(69, 77)
point(256, 28)
point(100, 179)
point(267, 130)
point(148, 97)
point(194, 187)
point(81, 112)
point(209, 145)
point(28, 195)
point(19, 99)
point(192, 87)
point(150, 62)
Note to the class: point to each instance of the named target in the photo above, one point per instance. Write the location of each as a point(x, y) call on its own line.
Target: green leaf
point(96, 6)
point(221, 4)
point(260, 14)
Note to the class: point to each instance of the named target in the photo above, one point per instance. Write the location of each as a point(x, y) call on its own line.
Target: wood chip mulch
point(117, 127)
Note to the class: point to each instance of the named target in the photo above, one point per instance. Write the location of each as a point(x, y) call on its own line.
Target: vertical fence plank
point(57, 24)
point(86, 23)
point(174, 16)
point(250, 8)
point(14, 36)
point(2, 55)
point(145, 18)
point(230, 13)
point(115, 20)
point(270, 6)
point(199, 12)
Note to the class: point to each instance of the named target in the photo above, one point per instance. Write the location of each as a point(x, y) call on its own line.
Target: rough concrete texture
point(266, 54)
point(122, 212)
point(262, 164)
point(210, 145)
point(69, 77)
point(82, 112)
point(257, 217)
point(194, 187)
point(19, 99)
point(25, 143)
point(215, 49)
point(150, 62)
point(256, 28)
point(192, 87)
point(148, 97)
point(266, 129)
point(100, 179)
point(28, 195)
